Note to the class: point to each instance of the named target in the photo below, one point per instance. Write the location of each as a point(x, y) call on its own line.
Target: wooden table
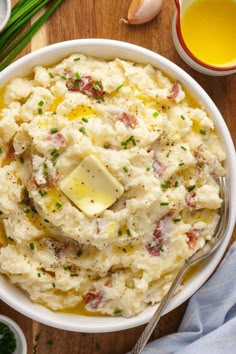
point(90, 19)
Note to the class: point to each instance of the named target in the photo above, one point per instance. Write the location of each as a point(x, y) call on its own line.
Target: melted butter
point(53, 197)
point(204, 215)
point(3, 236)
point(80, 309)
point(193, 271)
point(80, 111)
point(2, 102)
point(36, 220)
point(56, 103)
point(208, 28)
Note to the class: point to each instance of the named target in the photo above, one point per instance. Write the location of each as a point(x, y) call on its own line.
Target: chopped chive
point(133, 141)
point(125, 169)
point(22, 159)
point(56, 155)
point(123, 143)
point(74, 275)
point(201, 131)
point(59, 205)
point(63, 77)
point(42, 193)
point(128, 232)
point(106, 146)
point(54, 130)
point(190, 189)
point(119, 233)
point(50, 342)
point(54, 151)
point(184, 148)
point(76, 59)
point(176, 184)
point(177, 220)
point(155, 114)
point(67, 267)
point(148, 169)
point(78, 77)
point(181, 164)
point(161, 249)
point(41, 103)
point(39, 275)
point(79, 253)
point(45, 165)
point(53, 285)
point(168, 154)
point(31, 245)
point(164, 186)
point(27, 211)
point(85, 120)
point(95, 87)
point(117, 312)
point(183, 117)
point(164, 203)
point(25, 201)
point(0, 150)
point(82, 130)
point(46, 220)
point(119, 87)
point(40, 111)
point(50, 75)
point(201, 164)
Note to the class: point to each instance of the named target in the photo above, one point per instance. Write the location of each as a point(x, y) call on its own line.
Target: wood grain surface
point(100, 19)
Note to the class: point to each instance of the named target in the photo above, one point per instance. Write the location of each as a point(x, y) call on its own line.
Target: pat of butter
point(91, 187)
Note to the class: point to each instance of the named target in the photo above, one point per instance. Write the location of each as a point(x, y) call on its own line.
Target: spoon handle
point(141, 342)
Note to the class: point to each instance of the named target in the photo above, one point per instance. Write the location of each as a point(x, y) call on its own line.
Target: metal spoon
point(209, 248)
point(5, 12)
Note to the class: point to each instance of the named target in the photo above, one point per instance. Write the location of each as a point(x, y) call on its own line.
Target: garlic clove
point(142, 11)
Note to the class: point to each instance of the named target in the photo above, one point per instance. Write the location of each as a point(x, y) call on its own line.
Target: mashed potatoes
point(108, 183)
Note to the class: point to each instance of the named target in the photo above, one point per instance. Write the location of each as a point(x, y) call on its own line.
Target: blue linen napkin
point(209, 324)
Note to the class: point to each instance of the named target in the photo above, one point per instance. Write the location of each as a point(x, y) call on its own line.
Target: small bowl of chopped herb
point(12, 339)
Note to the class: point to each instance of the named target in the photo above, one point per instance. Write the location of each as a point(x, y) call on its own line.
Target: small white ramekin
point(6, 9)
point(21, 346)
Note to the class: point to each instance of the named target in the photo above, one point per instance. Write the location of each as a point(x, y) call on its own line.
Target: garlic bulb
point(142, 11)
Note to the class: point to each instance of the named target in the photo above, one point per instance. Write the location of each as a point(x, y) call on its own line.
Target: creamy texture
point(160, 148)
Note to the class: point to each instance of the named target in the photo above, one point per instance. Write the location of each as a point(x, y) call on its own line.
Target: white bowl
point(104, 48)
point(21, 346)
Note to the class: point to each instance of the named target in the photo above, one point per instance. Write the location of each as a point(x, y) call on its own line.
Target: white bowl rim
point(109, 324)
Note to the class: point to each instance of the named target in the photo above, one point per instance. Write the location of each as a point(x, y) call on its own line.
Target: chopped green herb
point(54, 130)
point(22, 159)
point(74, 275)
point(119, 233)
point(63, 77)
point(40, 111)
point(85, 120)
point(183, 117)
point(181, 164)
point(164, 203)
point(106, 146)
point(201, 164)
point(27, 211)
point(39, 275)
point(201, 131)
point(155, 114)
point(95, 87)
point(78, 77)
point(125, 169)
point(176, 184)
point(124, 143)
point(67, 267)
point(54, 151)
point(46, 220)
point(76, 59)
point(42, 193)
point(53, 285)
point(177, 220)
point(59, 205)
point(31, 245)
point(164, 186)
point(79, 253)
point(98, 346)
point(50, 342)
point(119, 87)
point(25, 201)
point(56, 155)
point(0, 150)
point(128, 232)
point(161, 249)
point(168, 154)
point(148, 169)
point(184, 148)
point(117, 312)
point(45, 165)
point(82, 130)
point(41, 103)
point(50, 75)
point(190, 189)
